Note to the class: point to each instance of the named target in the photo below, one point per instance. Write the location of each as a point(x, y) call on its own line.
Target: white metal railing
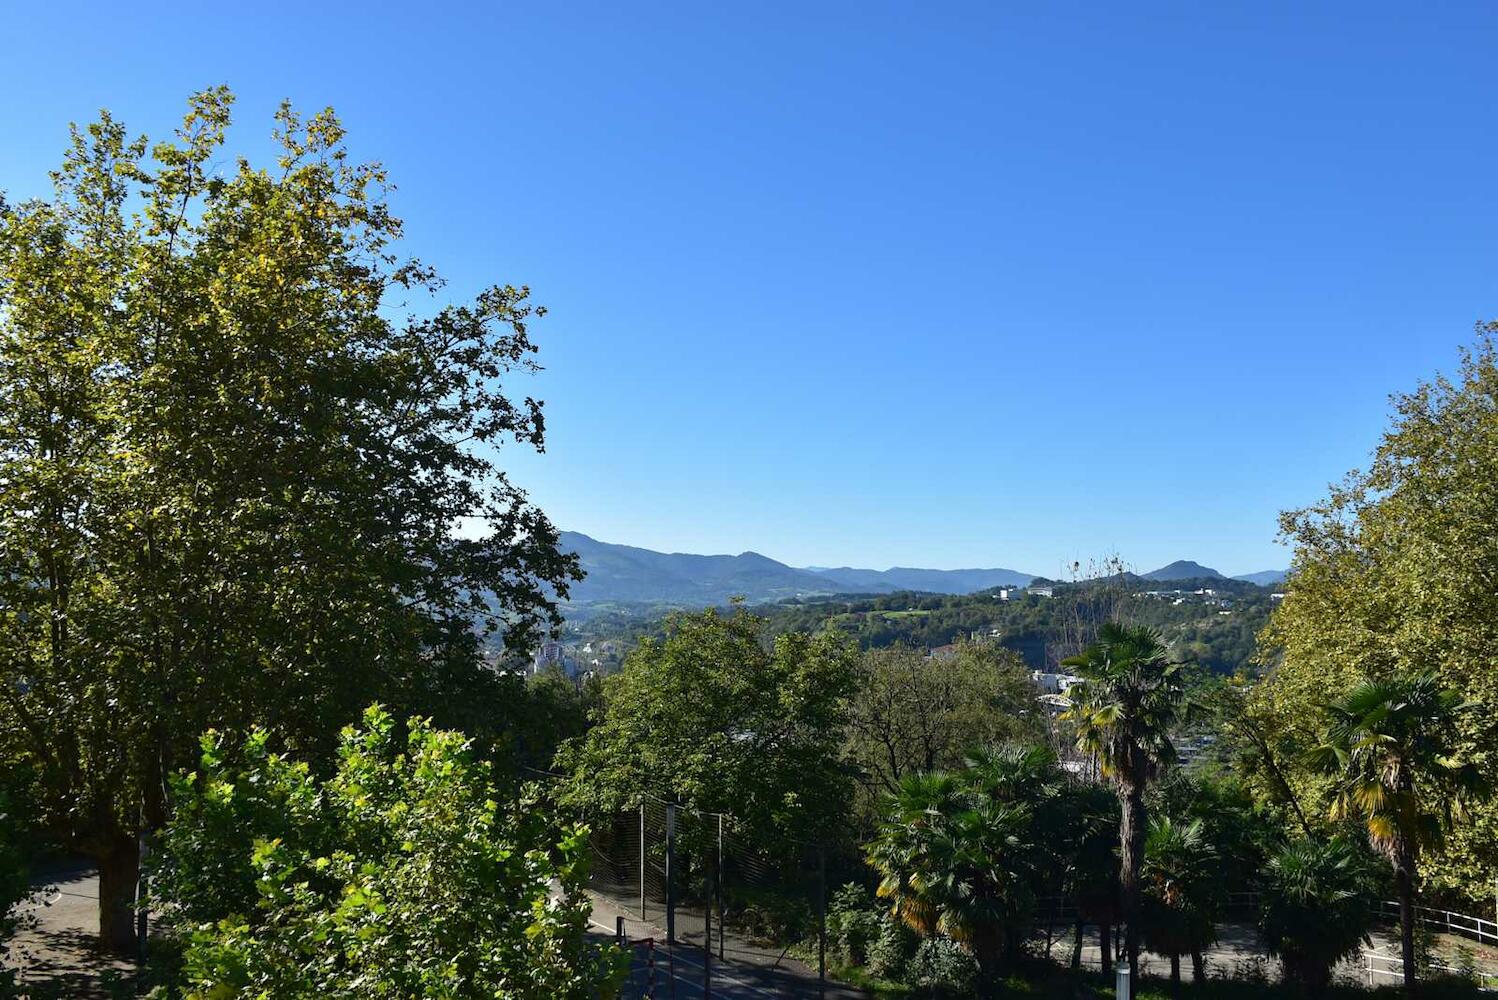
point(1377, 965)
point(1474, 928)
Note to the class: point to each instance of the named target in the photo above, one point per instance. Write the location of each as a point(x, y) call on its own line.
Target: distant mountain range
point(625, 574)
point(1265, 578)
point(935, 581)
point(1185, 569)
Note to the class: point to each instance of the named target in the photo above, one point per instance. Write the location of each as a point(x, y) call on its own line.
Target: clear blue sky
point(862, 283)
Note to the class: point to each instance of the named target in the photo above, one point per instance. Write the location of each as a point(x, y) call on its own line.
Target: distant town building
point(1053, 683)
point(1041, 591)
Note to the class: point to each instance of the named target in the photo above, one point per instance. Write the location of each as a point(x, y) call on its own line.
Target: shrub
point(852, 923)
point(857, 932)
point(14, 884)
point(942, 968)
point(892, 949)
point(404, 874)
point(1316, 906)
point(770, 918)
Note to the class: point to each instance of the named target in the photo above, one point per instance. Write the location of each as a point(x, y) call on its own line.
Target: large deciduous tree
point(713, 719)
point(230, 474)
point(1394, 575)
point(915, 713)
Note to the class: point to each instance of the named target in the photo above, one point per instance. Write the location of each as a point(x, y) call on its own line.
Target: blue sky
point(988, 284)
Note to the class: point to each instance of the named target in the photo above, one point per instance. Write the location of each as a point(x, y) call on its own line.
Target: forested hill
point(628, 575)
point(1215, 630)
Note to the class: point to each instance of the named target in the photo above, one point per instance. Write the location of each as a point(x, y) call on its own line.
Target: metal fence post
point(707, 937)
point(141, 929)
point(670, 874)
point(718, 873)
point(642, 861)
point(821, 921)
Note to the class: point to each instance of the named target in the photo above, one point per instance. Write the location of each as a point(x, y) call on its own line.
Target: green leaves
point(400, 875)
point(712, 719)
point(229, 480)
point(1130, 697)
point(1393, 577)
point(1318, 900)
point(1390, 747)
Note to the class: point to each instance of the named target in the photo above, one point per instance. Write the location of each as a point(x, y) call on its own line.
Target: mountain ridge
point(1183, 569)
point(629, 574)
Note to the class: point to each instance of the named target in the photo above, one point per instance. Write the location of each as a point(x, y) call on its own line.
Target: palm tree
point(1182, 894)
point(1124, 709)
point(957, 854)
point(1090, 873)
point(914, 816)
point(1392, 747)
point(1316, 905)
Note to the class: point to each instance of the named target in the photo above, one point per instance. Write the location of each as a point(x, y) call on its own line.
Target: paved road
point(58, 957)
point(750, 973)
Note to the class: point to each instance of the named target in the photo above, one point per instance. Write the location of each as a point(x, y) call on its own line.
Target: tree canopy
point(711, 718)
point(401, 875)
point(1394, 576)
point(913, 713)
point(230, 476)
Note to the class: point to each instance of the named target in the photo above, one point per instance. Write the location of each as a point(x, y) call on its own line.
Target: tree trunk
point(1131, 832)
point(1076, 948)
point(1404, 882)
point(1105, 939)
point(119, 870)
point(1198, 966)
point(1175, 972)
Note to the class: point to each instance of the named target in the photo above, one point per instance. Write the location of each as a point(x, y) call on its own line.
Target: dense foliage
point(963, 855)
point(1183, 893)
point(1393, 576)
point(402, 875)
point(229, 480)
point(912, 713)
point(1391, 750)
point(1317, 905)
point(711, 718)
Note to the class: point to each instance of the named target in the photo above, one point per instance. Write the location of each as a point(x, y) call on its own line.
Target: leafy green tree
point(1393, 575)
point(1124, 709)
point(1241, 830)
point(1318, 901)
point(402, 875)
point(557, 709)
point(229, 479)
point(959, 855)
point(711, 719)
point(1182, 894)
point(1391, 747)
point(910, 713)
